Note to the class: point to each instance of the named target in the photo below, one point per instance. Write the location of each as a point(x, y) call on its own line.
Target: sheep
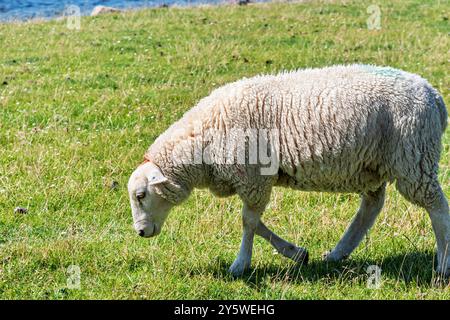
point(346, 128)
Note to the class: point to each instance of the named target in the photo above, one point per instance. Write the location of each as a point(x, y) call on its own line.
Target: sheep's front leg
point(371, 205)
point(287, 249)
point(250, 220)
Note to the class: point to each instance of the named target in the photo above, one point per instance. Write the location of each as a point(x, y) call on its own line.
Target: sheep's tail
point(442, 111)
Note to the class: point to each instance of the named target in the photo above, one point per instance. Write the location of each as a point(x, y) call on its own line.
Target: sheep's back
point(340, 128)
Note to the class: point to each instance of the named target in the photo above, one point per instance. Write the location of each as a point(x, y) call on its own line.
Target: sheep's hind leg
point(429, 195)
point(371, 205)
point(250, 219)
point(285, 248)
point(440, 220)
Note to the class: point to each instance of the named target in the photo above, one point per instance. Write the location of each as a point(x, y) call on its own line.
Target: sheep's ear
point(155, 176)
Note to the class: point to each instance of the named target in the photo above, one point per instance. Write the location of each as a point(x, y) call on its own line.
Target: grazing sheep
point(340, 129)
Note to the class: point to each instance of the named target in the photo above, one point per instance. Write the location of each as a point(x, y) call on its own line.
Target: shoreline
point(88, 13)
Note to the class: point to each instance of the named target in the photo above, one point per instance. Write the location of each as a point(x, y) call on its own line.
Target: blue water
point(28, 9)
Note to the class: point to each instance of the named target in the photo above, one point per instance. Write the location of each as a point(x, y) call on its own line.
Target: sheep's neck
point(187, 176)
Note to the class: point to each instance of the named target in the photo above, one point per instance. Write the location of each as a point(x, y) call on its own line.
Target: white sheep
point(340, 129)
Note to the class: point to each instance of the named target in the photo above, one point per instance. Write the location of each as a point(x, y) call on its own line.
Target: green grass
point(80, 108)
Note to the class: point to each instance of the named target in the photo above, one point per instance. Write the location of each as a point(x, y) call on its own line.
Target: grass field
point(78, 109)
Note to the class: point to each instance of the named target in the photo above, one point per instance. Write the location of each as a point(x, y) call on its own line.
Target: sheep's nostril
point(141, 233)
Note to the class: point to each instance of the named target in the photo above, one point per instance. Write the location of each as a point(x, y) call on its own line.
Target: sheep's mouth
point(151, 234)
point(146, 229)
point(156, 230)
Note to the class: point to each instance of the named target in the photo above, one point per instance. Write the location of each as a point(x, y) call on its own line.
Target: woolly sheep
point(339, 129)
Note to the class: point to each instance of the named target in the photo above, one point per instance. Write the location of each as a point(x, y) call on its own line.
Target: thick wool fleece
point(341, 129)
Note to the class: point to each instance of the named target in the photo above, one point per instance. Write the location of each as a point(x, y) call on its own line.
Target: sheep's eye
point(140, 195)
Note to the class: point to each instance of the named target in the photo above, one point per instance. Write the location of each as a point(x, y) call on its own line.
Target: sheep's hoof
point(301, 256)
point(297, 254)
point(238, 268)
point(332, 256)
point(305, 260)
point(443, 274)
point(441, 280)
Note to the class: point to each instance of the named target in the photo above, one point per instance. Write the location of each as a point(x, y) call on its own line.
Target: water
point(28, 9)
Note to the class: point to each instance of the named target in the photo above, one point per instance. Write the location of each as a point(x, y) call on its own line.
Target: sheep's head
point(149, 209)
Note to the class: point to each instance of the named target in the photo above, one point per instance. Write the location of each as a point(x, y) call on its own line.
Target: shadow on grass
point(408, 268)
